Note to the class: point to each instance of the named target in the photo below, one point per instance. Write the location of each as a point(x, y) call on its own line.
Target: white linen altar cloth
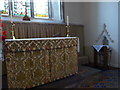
point(46, 39)
point(99, 47)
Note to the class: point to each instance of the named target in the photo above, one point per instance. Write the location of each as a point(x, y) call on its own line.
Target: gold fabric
point(34, 62)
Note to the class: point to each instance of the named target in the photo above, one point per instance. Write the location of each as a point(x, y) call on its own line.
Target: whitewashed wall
point(74, 11)
point(119, 33)
point(93, 15)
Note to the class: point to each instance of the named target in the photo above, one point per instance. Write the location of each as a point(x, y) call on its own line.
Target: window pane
point(4, 7)
point(41, 8)
point(20, 6)
point(56, 11)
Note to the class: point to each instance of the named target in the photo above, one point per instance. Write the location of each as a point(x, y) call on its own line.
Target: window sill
point(19, 19)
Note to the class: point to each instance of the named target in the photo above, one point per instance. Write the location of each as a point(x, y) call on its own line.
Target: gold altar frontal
point(33, 62)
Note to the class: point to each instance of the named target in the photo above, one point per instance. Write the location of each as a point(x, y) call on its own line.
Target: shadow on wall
point(91, 14)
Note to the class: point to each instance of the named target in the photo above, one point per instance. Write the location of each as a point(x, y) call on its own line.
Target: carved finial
point(107, 33)
point(105, 26)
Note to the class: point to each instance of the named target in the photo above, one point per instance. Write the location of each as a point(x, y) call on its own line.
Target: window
point(41, 8)
point(46, 9)
point(4, 6)
point(19, 7)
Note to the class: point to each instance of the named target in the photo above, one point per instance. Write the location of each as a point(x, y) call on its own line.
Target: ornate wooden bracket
point(105, 30)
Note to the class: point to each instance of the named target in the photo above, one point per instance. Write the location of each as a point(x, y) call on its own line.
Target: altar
point(37, 61)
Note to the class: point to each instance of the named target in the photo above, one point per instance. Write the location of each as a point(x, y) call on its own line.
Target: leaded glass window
point(33, 8)
point(40, 8)
point(4, 6)
point(21, 7)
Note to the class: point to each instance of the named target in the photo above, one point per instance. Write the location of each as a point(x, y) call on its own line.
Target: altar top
point(50, 38)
